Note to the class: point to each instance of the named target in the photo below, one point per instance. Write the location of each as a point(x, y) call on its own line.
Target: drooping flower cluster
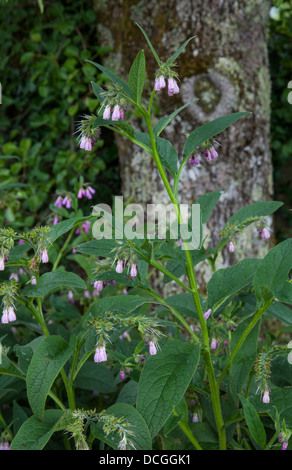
point(65, 201)
point(166, 74)
point(88, 134)
point(9, 293)
point(263, 230)
point(85, 191)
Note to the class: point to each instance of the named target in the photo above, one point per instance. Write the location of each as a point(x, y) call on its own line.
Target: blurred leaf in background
point(280, 52)
point(45, 89)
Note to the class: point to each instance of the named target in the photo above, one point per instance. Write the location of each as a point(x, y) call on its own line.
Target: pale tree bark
point(226, 68)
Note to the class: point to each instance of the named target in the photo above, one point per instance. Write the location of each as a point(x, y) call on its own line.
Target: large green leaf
point(34, 434)
point(254, 424)
point(49, 282)
point(48, 359)
point(272, 273)
point(258, 209)
point(164, 380)
point(141, 436)
point(227, 281)
point(122, 304)
point(137, 76)
point(209, 130)
point(95, 377)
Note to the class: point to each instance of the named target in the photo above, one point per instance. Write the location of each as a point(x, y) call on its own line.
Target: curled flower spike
point(207, 314)
point(173, 88)
point(100, 354)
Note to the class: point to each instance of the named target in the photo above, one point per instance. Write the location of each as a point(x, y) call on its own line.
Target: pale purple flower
point(208, 155)
point(100, 354)
point(194, 160)
point(173, 88)
point(98, 285)
point(44, 256)
point(159, 83)
point(81, 193)
point(67, 202)
point(88, 194)
point(266, 397)
point(91, 190)
point(2, 263)
point(231, 247)
point(285, 445)
point(133, 270)
point(21, 242)
point(58, 202)
point(119, 267)
point(56, 220)
point(125, 292)
point(95, 293)
point(33, 280)
point(264, 233)
point(70, 295)
point(4, 446)
point(195, 418)
point(213, 152)
point(14, 276)
point(152, 348)
point(5, 318)
point(122, 374)
point(213, 343)
point(207, 314)
point(11, 314)
point(87, 143)
point(86, 226)
point(116, 113)
point(107, 112)
point(87, 294)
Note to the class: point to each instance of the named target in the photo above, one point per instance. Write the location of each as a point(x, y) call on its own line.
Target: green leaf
point(95, 377)
point(97, 90)
point(164, 380)
point(207, 203)
point(48, 359)
point(141, 436)
point(49, 282)
point(118, 81)
point(209, 130)
point(99, 248)
point(163, 122)
point(254, 424)
point(272, 273)
point(137, 76)
point(63, 227)
point(227, 281)
point(122, 304)
point(179, 51)
point(168, 155)
point(34, 434)
point(258, 209)
point(150, 45)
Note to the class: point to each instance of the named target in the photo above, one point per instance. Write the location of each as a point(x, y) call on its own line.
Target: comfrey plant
point(105, 361)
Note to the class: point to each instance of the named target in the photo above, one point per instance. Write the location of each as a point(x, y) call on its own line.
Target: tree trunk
point(226, 68)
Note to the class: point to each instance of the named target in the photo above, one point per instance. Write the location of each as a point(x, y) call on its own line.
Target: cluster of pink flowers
point(85, 226)
point(100, 354)
point(60, 201)
point(116, 114)
point(264, 233)
point(120, 267)
point(194, 160)
point(87, 142)
point(87, 192)
point(160, 83)
point(211, 153)
point(8, 314)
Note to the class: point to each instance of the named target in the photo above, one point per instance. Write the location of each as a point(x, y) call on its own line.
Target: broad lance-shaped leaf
point(48, 359)
point(254, 424)
point(34, 434)
point(118, 81)
point(209, 130)
point(227, 281)
point(140, 438)
point(272, 273)
point(122, 304)
point(137, 76)
point(164, 380)
point(49, 282)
